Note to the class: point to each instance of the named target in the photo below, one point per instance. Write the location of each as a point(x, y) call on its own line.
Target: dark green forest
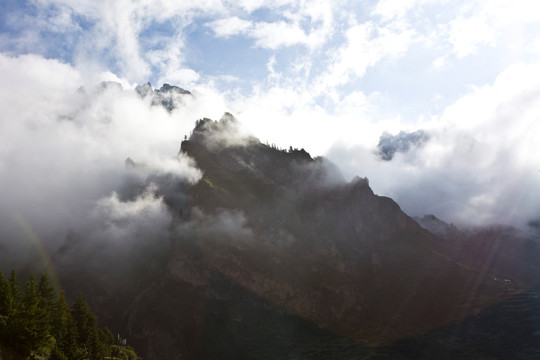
point(36, 322)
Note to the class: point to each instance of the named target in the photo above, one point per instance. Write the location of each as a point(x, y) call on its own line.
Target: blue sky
point(330, 76)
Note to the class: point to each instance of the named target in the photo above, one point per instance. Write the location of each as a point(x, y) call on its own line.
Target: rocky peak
point(144, 90)
point(166, 88)
point(169, 96)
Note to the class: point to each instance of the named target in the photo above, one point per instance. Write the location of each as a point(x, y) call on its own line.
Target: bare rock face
point(272, 253)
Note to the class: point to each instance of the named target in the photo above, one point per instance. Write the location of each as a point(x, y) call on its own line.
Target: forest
point(36, 322)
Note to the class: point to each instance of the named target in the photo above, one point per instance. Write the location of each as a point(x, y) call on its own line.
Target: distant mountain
point(169, 96)
point(272, 254)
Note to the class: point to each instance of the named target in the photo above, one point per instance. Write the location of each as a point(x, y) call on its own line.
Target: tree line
point(37, 323)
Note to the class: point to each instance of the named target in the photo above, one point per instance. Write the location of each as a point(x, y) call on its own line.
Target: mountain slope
point(329, 251)
point(270, 241)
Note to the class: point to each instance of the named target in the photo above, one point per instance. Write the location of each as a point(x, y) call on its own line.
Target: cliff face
point(275, 247)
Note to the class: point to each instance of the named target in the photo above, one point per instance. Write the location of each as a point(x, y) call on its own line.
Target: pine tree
point(70, 341)
point(38, 323)
point(6, 304)
point(63, 328)
point(30, 329)
point(86, 324)
point(106, 339)
point(47, 294)
point(59, 315)
point(14, 284)
point(96, 348)
point(84, 319)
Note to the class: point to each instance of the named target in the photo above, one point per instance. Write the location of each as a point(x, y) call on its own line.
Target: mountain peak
point(226, 132)
point(165, 88)
point(169, 96)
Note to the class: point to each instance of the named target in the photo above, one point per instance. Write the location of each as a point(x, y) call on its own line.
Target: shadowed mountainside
point(272, 252)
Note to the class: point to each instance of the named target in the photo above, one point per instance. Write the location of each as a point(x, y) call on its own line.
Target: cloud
point(124, 222)
point(391, 9)
point(466, 34)
point(366, 44)
point(225, 225)
point(223, 133)
point(278, 34)
point(480, 165)
point(115, 35)
point(333, 73)
point(490, 23)
point(180, 167)
point(318, 174)
point(228, 227)
point(230, 26)
point(63, 148)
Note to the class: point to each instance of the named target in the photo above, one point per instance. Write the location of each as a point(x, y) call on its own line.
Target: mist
point(64, 143)
point(66, 136)
point(475, 164)
point(461, 145)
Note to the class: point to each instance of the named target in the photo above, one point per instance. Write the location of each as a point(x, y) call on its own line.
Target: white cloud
point(269, 35)
point(132, 220)
point(390, 9)
point(366, 45)
point(230, 26)
point(334, 67)
point(62, 149)
point(297, 23)
point(278, 34)
point(117, 27)
point(488, 23)
point(252, 5)
point(467, 34)
point(481, 163)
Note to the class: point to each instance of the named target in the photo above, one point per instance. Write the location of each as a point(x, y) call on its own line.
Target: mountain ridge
point(287, 232)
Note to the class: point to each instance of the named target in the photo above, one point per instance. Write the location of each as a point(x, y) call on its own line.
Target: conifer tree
point(70, 341)
point(14, 286)
point(63, 328)
point(47, 294)
point(30, 328)
point(106, 338)
point(38, 323)
point(6, 303)
point(85, 321)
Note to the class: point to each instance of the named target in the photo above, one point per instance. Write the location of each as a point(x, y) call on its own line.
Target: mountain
point(168, 96)
point(272, 254)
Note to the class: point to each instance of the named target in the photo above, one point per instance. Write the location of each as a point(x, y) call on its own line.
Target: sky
point(436, 102)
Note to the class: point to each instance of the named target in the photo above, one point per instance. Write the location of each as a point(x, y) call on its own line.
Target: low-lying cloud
point(225, 226)
point(223, 133)
point(145, 217)
point(64, 141)
point(478, 162)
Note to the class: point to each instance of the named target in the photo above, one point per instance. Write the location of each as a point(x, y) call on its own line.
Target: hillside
point(271, 253)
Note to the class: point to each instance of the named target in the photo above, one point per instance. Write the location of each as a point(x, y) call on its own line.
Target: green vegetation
point(37, 323)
